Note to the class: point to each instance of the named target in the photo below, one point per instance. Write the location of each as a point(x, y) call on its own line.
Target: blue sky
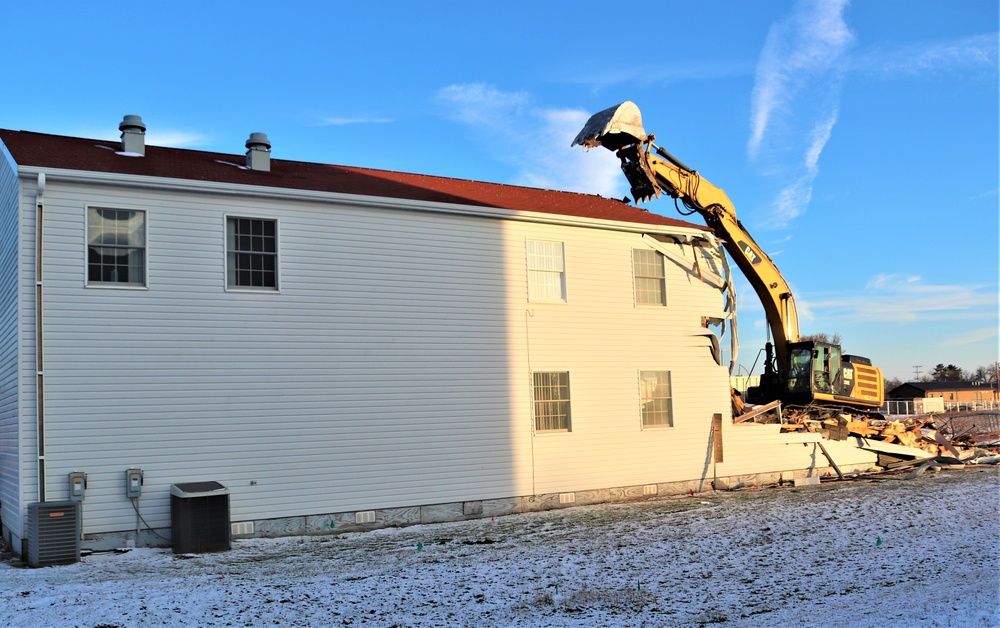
point(859, 141)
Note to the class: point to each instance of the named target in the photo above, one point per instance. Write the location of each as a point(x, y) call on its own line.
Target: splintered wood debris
point(935, 441)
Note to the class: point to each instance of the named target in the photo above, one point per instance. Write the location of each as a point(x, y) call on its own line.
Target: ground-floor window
point(551, 390)
point(656, 399)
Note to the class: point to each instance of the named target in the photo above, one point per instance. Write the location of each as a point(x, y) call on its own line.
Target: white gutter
point(379, 202)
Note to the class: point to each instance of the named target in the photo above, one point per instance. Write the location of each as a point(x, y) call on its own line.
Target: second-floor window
point(546, 271)
point(650, 281)
point(116, 247)
point(251, 253)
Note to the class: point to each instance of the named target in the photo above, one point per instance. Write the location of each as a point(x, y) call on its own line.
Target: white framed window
point(656, 399)
point(546, 271)
point(650, 278)
point(251, 253)
point(551, 394)
point(116, 247)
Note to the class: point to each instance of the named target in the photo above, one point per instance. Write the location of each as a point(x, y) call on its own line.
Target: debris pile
point(945, 441)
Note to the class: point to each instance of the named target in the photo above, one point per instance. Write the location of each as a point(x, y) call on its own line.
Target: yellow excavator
point(800, 372)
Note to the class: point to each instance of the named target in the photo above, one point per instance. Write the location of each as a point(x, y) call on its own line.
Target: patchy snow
point(883, 551)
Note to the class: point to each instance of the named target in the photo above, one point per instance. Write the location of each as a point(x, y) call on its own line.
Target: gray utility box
point(199, 517)
point(53, 533)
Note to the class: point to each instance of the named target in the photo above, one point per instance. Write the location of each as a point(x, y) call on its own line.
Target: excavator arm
point(652, 171)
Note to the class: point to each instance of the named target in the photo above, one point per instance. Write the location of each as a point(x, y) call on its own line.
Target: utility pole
point(916, 372)
point(996, 381)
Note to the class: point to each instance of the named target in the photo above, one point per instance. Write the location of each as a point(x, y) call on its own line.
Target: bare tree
point(989, 374)
point(892, 383)
point(834, 339)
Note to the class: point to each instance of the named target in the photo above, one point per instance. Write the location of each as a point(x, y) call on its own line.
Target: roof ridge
point(49, 150)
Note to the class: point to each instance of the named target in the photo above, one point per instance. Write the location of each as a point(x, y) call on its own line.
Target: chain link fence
point(914, 406)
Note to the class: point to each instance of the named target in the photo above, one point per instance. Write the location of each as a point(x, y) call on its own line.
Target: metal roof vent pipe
point(259, 152)
point(133, 135)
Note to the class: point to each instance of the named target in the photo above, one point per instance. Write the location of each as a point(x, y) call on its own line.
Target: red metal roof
point(72, 153)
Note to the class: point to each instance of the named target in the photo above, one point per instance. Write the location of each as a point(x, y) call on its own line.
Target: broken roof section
point(79, 154)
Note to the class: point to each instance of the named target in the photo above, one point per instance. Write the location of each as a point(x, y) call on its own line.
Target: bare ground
point(879, 551)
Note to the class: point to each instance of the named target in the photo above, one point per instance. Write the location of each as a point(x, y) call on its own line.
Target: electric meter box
point(133, 483)
point(77, 485)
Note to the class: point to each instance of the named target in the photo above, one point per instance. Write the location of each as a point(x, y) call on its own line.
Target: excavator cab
point(813, 367)
point(818, 371)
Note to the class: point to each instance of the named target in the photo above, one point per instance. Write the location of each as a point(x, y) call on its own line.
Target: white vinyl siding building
point(322, 353)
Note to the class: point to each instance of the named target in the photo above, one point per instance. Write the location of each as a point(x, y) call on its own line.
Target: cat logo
point(749, 252)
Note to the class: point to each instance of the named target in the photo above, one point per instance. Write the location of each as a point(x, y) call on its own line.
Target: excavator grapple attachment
point(613, 128)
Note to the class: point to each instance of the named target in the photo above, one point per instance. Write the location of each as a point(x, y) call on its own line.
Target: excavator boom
point(652, 171)
point(619, 129)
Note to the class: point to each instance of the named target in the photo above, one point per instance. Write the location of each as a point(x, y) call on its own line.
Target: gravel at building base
point(878, 551)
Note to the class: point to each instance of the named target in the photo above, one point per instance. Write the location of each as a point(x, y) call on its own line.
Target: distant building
point(949, 391)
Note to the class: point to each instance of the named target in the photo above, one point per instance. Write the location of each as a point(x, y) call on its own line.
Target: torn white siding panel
point(10, 433)
point(873, 445)
point(695, 257)
point(844, 453)
point(753, 448)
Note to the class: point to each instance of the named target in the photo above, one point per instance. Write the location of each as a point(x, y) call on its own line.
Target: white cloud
point(482, 104)
point(974, 336)
point(795, 98)
point(791, 202)
point(818, 138)
point(886, 280)
point(975, 53)
point(905, 299)
point(535, 140)
point(794, 103)
point(798, 52)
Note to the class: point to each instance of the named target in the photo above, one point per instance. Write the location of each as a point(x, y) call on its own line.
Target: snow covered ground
point(878, 552)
